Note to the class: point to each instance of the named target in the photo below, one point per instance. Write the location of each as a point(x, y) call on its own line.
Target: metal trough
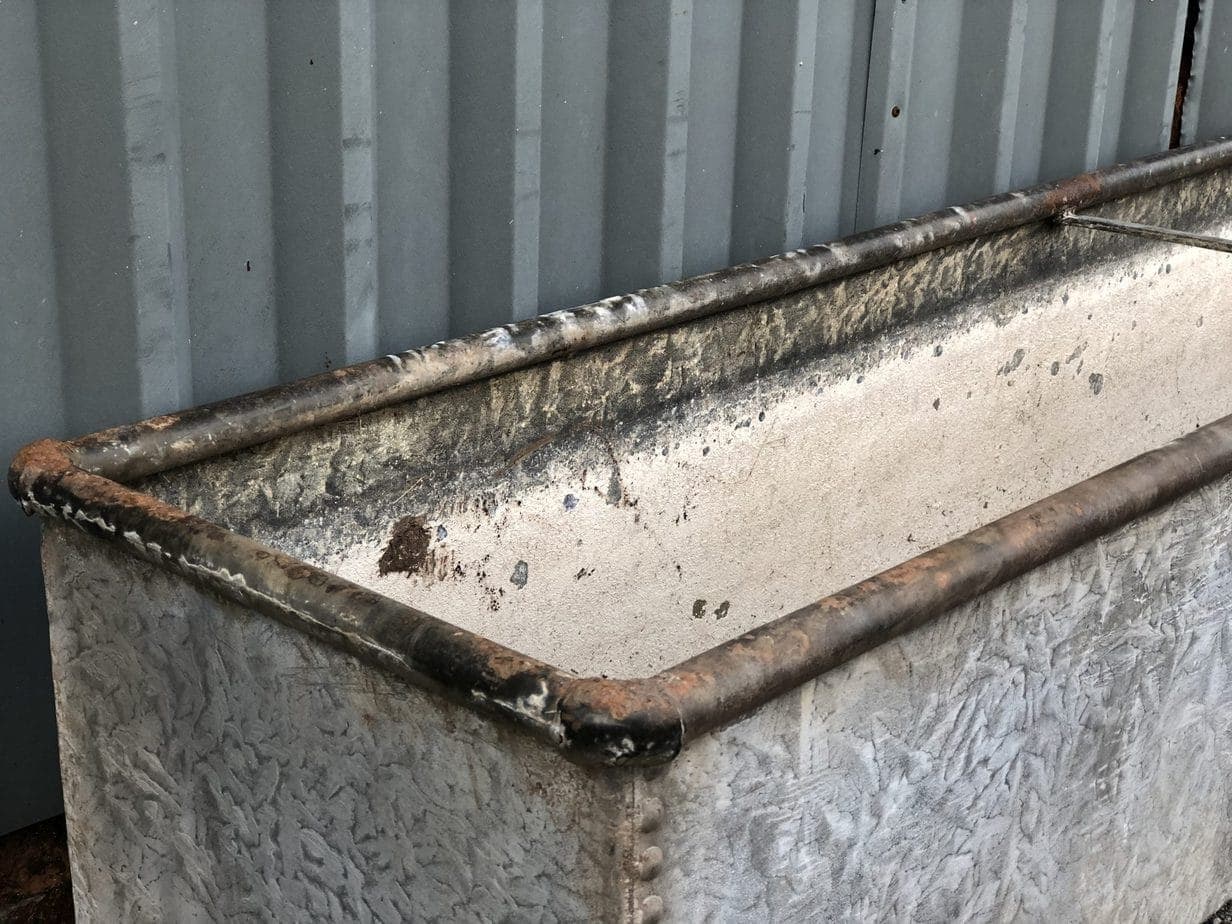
point(549, 623)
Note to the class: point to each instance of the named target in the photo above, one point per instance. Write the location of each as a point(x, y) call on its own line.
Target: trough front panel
point(218, 765)
point(1059, 749)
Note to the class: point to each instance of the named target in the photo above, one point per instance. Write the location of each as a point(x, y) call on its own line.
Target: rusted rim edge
point(592, 720)
point(160, 443)
point(641, 721)
point(727, 681)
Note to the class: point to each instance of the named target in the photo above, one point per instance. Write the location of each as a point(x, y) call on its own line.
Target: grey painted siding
point(203, 198)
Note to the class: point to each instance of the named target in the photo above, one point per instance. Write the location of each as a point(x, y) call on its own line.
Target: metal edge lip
point(128, 452)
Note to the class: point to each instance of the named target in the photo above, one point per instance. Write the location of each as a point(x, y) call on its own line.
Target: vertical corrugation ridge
point(774, 125)
point(1082, 58)
point(889, 85)
point(305, 64)
point(1034, 80)
point(991, 50)
point(412, 172)
point(574, 126)
point(1208, 104)
point(527, 137)
point(357, 148)
point(1157, 40)
point(1007, 111)
point(714, 89)
point(1102, 73)
point(841, 41)
point(647, 137)
point(223, 92)
point(853, 148)
point(676, 138)
point(155, 205)
point(492, 155)
point(915, 138)
point(1119, 19)
point(88, 181)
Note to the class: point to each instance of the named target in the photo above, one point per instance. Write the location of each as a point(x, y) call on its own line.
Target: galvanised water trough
point(886, 579)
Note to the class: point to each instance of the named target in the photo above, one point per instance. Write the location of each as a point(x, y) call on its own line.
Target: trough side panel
point(1058, 749)
point(218, 765)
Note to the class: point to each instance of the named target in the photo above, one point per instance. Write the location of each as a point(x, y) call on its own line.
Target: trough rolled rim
point(598, 720)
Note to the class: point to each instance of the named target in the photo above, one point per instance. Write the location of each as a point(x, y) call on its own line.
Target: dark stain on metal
point(1013, 363)
point(521, 574)
point(407, 550)
point(1096, 380)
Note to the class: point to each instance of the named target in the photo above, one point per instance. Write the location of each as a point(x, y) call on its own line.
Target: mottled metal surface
point(1056, 749)
point(220, 766)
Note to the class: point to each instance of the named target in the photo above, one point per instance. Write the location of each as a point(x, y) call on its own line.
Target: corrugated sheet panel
point(203, 198)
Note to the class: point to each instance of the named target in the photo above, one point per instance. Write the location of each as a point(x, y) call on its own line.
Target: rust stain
point(407, 550)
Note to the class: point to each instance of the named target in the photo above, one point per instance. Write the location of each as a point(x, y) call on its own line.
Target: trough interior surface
point(621, 546)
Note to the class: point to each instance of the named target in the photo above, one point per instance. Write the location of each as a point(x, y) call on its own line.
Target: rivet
point(652, 909)
point(652, 814)
point(650, 862)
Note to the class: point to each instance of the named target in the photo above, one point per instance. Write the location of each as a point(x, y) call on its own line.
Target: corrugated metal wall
point(210, 196)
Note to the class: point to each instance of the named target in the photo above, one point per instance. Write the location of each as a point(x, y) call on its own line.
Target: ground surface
point(34, 877)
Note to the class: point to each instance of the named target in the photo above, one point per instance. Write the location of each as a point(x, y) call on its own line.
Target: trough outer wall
point(942, 776)
point(220, 765)
point(1056, 749)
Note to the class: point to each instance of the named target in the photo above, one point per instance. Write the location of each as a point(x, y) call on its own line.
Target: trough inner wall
point(617, 511)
